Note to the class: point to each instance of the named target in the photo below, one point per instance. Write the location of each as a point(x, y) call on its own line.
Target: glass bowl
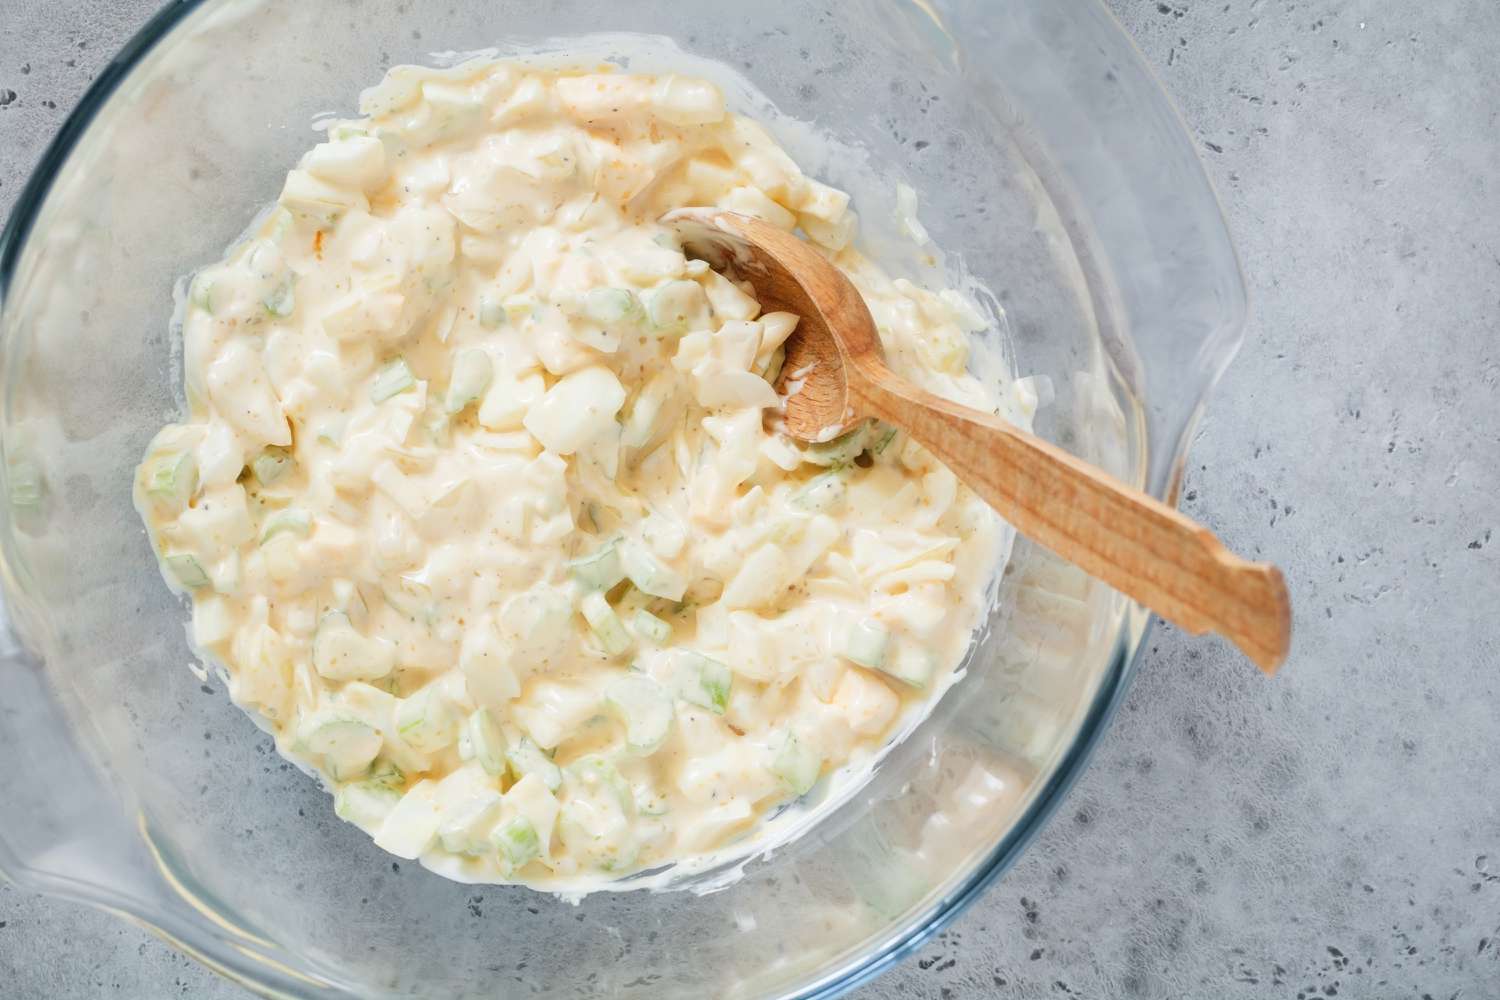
point(1045, 155)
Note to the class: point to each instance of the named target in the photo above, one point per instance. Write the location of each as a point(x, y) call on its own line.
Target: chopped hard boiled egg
point(482, 501)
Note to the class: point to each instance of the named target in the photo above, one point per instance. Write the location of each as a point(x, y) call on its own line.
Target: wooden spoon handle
point(1136, 544)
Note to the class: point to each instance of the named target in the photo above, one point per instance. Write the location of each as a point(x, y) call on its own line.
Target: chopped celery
point(491, 311)
point(347, 745)
point(527, 758)
point(797, 765)
point(481, 740)
point(648, 626)
point(471, 376)
point(839, 452)
point(26, 484)
point(883, 439)
point(517, 842)
point(290, 521)
point(172, 479)
point(201, 293)
point(271, 464)
point(703, 681)
point(605, 623)
point(426, 721)
point(645, 708)
point(593, 772)
point(648, 574)
point(599, 571)
point(643, 424)
point(366, 803)
point(186, 570)
point(612, 305)
point(597, 819)
point(911, 665)
point(394, 379)
point(282, 301)
point(387, 773)
point(866, 644)
point(823, 493)
point(342, 132)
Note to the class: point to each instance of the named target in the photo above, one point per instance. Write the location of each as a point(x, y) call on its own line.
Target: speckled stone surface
point(1336, 831)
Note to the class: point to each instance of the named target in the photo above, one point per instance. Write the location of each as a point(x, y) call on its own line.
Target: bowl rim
point(1124, 658)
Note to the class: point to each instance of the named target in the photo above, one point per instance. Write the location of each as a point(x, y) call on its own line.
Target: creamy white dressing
point(481, 502)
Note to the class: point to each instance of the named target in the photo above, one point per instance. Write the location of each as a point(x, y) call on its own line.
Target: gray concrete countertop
point(1335, 831)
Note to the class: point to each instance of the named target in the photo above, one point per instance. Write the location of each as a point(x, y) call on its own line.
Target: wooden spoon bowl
point(835, 376)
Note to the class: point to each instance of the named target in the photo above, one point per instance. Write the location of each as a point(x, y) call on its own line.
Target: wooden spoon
point(837, 376)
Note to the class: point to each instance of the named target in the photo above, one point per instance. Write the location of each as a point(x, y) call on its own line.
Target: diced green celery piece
point(605, 624)
point(884, 436)
point(481, 740)
point(343, 132)
point(394, 379)
point(640, 427)
point(527, 758)
point(599, 570)
point(173, 479)
point(866, 644)
point(347, 746)
point(648, 626)
point(703, 681)
point(290, 521)
point(26, 484)
point(911, 664)
point(201, 292)
point(426, 720)
point(594, 771)
point(471, 376)
point(366, 803)
point(271, 464)
point(517, 842)
point(839, 452)
point(612, 305)
point(645, 708)
point(186, 570)
point(597, 819)
point(823, 493)
point(491, 311)
point(387, 773)
point(797, 765)
point(282, 301)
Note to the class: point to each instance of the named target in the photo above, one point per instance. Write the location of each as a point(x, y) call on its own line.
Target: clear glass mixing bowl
point(1044, 153)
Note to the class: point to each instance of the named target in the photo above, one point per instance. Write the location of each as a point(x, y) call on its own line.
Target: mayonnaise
point(481, 503)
